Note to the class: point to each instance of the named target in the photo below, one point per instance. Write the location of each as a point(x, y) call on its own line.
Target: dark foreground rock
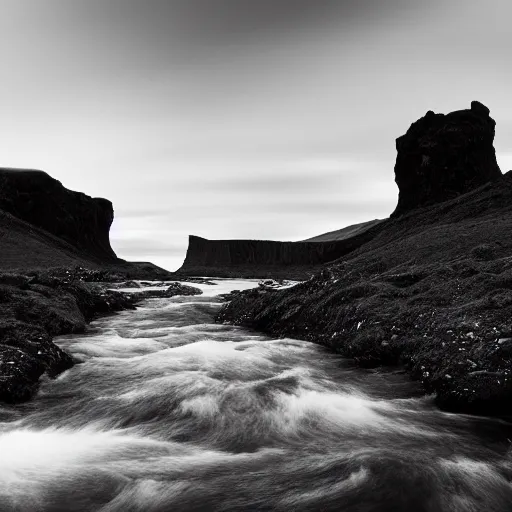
point(431, 291)
point(34, 309)
point(274, 283)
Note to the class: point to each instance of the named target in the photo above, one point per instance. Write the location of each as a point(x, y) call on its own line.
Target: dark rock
point(126, 284)
point(18, 280)
point(266, 258)
point(480, 109)
point(172, 291)
point(31, 313)
point(226, 297)
point(35, 197)
point(73, 274)
point(483, 252)
point(273, 283)
point(443, 156)
point(183, 289)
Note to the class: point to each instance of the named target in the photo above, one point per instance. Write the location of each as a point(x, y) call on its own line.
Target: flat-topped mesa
point(442, 156)
point(35, 197)
point(265, 258)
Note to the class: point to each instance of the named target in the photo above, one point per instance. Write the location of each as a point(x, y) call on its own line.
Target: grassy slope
point(433, 290)
point(25, 246)
point(342, 234)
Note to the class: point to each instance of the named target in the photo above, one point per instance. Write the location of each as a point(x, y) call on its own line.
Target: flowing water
point(169, 411)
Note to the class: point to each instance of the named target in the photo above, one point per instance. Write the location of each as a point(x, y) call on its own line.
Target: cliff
point(443, 156)
point(432, 290)
point(43, 225)
point(38, 199)
point(264, 258)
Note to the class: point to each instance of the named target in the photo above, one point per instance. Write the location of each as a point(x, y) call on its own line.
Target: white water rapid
point(168, 411)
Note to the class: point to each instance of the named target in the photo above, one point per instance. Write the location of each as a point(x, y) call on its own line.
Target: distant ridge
point(266, 258)
point(344, 233)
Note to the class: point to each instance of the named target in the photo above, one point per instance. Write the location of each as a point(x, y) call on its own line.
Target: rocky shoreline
point(449, 325)
point(38, 306)
point(34, 310)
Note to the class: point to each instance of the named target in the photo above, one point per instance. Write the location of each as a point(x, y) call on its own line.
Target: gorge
point(124, 389)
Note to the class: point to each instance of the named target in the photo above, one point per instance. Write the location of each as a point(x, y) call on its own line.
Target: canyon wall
point(40, 200)
point(264, 258)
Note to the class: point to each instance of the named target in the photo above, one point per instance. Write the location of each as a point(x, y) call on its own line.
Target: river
point(169, 411)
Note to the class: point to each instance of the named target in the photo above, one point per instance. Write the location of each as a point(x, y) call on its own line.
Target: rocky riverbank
point(433, 289)
point(34, 309)
point(39, 306)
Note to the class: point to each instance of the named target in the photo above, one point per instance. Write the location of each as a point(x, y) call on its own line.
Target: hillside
point(344, 233)
point(44, 225)
point(25, 246)
point(35, 197)
point(432, 290)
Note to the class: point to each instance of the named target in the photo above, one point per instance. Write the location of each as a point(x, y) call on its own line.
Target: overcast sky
point(270, 119)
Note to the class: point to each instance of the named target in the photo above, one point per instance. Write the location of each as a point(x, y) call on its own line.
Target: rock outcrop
point(38, 199)
point(443, 156)
point(33, 310)
point(265, 258)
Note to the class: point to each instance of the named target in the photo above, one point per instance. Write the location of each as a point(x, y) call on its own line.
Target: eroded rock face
point(35, 197)
point(442, 156)
point(265, 258)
